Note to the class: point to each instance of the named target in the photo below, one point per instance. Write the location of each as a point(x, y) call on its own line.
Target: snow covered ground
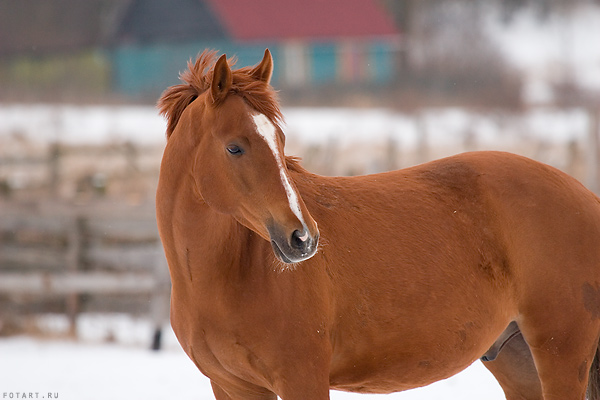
point(111, 360)
point(72, 124)
point(94, 371)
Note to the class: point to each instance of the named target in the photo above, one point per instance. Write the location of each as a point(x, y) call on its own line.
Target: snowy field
point(42, 124)
point(111, 360)
point(93, 371)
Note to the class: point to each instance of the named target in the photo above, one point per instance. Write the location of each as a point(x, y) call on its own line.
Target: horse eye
point(235, 150)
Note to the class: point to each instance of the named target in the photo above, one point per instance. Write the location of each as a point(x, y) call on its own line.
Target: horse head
point(239, 167)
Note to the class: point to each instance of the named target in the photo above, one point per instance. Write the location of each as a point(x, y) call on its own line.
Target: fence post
point(159, 307)
point(54, 154)
point(75, 254)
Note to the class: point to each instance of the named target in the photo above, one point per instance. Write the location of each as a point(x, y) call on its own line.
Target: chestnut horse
point(286, 283)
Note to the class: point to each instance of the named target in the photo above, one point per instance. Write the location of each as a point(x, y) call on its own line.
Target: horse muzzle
point(298, 246)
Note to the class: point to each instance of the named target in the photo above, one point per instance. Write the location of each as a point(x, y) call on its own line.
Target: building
point(138, 47)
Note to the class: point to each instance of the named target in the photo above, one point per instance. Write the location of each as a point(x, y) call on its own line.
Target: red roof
point(296, 19)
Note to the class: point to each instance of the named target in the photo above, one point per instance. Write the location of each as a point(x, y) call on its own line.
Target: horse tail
point(593, 389)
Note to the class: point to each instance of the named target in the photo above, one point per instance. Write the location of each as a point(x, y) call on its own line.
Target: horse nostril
point(300, 240)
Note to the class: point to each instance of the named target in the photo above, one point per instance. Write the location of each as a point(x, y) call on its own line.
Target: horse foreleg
point(302, 387)
point(306, 378)
point(222, 394)
point(219, 393)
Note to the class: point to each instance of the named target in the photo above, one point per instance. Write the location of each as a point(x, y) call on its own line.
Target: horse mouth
point(292, 256)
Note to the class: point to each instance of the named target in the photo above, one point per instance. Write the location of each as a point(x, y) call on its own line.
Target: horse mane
point(197, 79)
point(293, 164)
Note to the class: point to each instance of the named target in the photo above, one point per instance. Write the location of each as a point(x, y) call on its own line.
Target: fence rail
point(77, 283)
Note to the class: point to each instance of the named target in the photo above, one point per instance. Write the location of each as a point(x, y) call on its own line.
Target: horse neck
point(217, 246)
point(201, 244)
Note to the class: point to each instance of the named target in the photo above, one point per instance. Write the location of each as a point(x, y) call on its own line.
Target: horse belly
point(419, 342)
point(398, 365)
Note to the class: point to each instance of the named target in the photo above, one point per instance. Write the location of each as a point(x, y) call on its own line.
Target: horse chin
point(279, 254)
point(290, 258)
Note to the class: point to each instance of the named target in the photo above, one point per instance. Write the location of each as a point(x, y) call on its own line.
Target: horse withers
point(286, 283)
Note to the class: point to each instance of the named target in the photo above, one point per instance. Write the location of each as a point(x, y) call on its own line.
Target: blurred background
point(366, 86)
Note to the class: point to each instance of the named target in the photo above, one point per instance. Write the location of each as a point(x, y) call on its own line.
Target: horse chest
point(231, 339)
point(221, 351)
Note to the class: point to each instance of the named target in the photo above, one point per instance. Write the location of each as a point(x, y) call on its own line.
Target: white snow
point(111, 360)
point(71, 124)
point(95, 371)
point(82, 124)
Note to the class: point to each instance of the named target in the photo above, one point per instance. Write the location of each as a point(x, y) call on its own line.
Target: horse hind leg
point(593, 389)
point(515, 371)
point(563, 348)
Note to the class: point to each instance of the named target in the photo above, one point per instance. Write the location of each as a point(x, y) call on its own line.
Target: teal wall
point(324, 63)
point(382, 61)
point(148, 70)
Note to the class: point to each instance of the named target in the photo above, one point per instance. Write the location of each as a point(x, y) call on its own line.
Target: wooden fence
point(68, 255)
point(79, 172)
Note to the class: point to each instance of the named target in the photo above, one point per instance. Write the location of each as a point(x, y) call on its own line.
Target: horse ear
point(221, 82)
point(264, 70)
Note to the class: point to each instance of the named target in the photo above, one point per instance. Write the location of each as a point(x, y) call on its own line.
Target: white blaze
point(267, 131)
